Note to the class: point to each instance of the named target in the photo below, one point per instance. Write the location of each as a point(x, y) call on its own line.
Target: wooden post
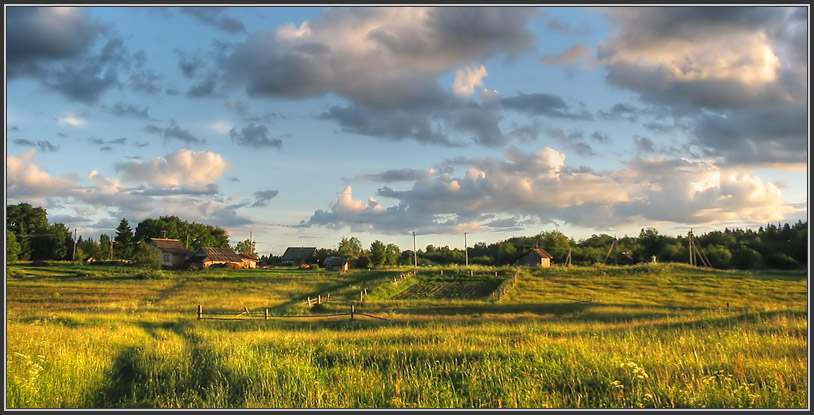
point(319, 299)
point(267, 314)
point(246, 310)
point(365, 291)
point(200, 312)
point(309, 301)
point(329, 297)
point(352, 310)
point(361, 295)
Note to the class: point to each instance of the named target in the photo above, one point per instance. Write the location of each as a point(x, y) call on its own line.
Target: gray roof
point(170, 246)
point(297, 254)
point(217, 254)
point(335, 261)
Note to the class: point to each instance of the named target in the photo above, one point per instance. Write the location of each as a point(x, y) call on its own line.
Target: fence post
point(309, 301)
point(329, 297)
point(319, 299)
point(352, 310)
point(267, 314)
point(365, 291)
point(361, 295)
point(200, 312)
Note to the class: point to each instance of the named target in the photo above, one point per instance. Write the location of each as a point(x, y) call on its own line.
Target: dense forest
point(775, 246)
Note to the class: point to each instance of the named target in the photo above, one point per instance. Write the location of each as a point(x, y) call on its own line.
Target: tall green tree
point(350, 247)
point(105, 247)
point(27, 223)
point(12, 247)
point(378, 253)
point(124, 241)
point(246, 247)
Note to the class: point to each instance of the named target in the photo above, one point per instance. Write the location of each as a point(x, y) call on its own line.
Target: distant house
point(173, 252)
point(248, 261)
point(535, 257)
point(298, 256)
point(207, 257)
point(337, 263)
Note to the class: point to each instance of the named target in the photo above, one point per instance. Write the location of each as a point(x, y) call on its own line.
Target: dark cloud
point(644, 144)
point(255, 136)
point(205, 87)
point(43, 145)
point(100, 142)
point(189, 64)
point(263, 196)
point(573, 141)
point(388, 124)
point(544, 104)
point(36, 36)
point(390, 176)
point(600, 137)
point(144, 81)
point(130, 111)
point(214, 16)
point(658, 127)
point(620, 111)
point(176, 132)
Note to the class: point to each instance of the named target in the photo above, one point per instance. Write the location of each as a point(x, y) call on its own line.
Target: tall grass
point(641, 342)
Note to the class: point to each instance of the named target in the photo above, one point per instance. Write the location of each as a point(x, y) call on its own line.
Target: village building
point(337, 263)
point(207, 257)
point(535, 257)
point(249, 261)
point(173, 253)
point(298, 256)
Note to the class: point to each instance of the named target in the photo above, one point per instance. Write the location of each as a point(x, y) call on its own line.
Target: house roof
point(217, 254)
point(170, 246)
point(541, 253)
point(247, 256)
point(297, 254)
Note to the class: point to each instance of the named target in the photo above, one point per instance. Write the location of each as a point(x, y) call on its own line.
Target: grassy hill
point(652, 335)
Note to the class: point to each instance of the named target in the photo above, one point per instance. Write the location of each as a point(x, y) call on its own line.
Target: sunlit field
point(646, 336)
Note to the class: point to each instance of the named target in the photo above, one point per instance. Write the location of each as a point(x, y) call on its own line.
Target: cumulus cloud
point(181, 169)
point(499, 193)
point(733, 73)
point(467, 79)
point(255, 136)
point(24, 178)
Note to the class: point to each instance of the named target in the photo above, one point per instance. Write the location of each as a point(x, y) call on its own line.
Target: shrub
point(781, 261)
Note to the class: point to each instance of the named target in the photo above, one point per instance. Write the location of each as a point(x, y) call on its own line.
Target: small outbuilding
point(207, 257)
point(337, 263)
point(249, 261)
point(535, 257)
point(173, 252)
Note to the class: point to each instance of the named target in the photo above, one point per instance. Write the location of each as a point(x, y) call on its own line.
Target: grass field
point(646, 336)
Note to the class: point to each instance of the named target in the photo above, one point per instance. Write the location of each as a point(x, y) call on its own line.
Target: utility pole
point(415, 253)
point(466, 250)
point(73, 258)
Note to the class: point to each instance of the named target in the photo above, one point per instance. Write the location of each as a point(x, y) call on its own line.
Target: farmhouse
point(207, 257)
point(535, 257)
point(173, 252)
point(337, 263)
point(248, 261)
point(298, 256)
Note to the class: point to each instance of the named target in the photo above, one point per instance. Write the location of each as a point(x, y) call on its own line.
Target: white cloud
point(72, 120)
point(467, 79)
point(177, 169)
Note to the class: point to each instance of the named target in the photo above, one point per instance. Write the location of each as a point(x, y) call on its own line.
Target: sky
point(298, 126)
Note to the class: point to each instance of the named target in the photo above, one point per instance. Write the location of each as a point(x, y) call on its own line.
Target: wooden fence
point(246, 315)
point(504, 287)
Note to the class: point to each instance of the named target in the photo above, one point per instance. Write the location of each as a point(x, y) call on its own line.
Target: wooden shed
point(173, 253)
point(337, 263)
point(298, 256)
point(207, 257)
point(249, 261)
point(535, 257)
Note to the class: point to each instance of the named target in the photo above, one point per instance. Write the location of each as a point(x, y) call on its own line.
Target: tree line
point(771, 246)
point(30, 237)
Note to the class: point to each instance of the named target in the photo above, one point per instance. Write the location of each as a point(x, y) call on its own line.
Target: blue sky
point(302, 125)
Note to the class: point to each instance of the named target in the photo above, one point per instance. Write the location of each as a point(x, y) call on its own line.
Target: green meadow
point(644, 336)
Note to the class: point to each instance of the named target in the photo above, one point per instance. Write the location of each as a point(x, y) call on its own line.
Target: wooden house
point(298, 256)
point(207, 257)
point(337, 263)
point(173, 253)
point(249, 261)
point(535, 257)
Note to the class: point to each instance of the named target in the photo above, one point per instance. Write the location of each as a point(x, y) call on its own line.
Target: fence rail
point(246, 315)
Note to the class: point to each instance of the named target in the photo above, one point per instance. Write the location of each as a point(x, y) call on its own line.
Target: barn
point(298, 256)
point(535, 257)
point(249, 261)
point(173, 252)
point(207, 257)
